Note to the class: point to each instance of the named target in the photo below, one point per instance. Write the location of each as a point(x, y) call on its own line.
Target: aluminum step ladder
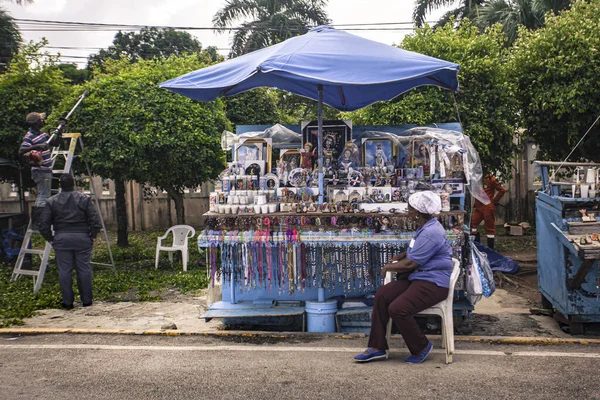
point(38, 275)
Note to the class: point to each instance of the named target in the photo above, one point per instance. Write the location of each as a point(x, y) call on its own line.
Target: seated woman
point(428, 260)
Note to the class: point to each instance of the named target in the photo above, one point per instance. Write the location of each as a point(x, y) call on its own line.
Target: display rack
point(273, 248)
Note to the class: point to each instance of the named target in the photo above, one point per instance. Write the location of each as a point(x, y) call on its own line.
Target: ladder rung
point(26, 272)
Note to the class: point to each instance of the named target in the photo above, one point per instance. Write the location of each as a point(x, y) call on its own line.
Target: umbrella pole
point(320, 141)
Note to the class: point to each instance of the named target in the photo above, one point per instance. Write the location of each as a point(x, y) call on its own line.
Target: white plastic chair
point(181, 234)
point(443, 309)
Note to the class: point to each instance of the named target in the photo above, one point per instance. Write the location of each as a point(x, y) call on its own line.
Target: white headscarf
point(426, 202)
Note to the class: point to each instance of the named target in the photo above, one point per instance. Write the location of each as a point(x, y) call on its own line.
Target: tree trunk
point(179, 208)
point(122, 238)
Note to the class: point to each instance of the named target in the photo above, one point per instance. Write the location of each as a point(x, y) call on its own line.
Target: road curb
point(518, 340)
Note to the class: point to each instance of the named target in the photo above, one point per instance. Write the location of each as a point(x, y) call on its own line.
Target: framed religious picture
point(254, 167)
point(290, 159)
point(248, 152)
point(456, 165)
point(420, 155)
point(253, 150)
point(378, 153)
point(335, 136)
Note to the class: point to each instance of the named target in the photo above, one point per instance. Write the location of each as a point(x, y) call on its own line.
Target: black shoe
point(490, 243)
point(67, 306)
point(88, 304)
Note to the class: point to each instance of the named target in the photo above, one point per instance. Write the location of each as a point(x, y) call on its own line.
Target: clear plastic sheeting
point(451, 143)
point(280, 136)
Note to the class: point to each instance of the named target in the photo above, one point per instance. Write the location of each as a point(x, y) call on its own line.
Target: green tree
point(133, 130)
point(514, 13)
point(31, 83)
point(10, 39)
point(557, 69)
point(149, 43)
point(254, 107)
point(466, 9)
point(267, 22)
point(73, 74)
point(487, 107)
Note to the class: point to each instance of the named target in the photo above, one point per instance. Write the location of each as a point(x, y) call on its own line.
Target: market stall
point(274, 250)
point(317, 221)
point(568, 231)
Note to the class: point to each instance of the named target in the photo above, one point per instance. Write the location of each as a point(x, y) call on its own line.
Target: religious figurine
point(380, 157)
point(345, 161)
point(385, 222)
point(307, 156)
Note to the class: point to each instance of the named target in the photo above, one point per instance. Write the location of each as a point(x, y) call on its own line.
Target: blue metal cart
point(568, 275)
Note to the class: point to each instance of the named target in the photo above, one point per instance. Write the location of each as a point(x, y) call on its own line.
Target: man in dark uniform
point(76, 224)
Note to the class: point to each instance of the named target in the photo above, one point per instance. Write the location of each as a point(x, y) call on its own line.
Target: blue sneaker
point(371, 355)
point(419, 358)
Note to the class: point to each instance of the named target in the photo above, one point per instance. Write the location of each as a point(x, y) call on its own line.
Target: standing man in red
point(487, 212)
point(35, 150)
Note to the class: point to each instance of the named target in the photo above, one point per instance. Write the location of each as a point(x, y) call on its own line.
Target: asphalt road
point(151, 367)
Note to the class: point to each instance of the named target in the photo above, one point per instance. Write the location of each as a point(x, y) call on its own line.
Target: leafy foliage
point(135, 279)
point(10, 39)
point(134, 130)
point(73, 74)
point(487, 106)
point(254, 107)
point(32, 83)
point(270, 22)
point(557, 69)
point(149, 43)
point(466, 9)
point(514, 13)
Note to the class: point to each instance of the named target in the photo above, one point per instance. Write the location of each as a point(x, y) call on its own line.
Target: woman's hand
point(403, 265)
point(399, 256)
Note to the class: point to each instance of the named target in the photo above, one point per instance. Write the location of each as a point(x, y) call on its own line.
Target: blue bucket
point(320, 316)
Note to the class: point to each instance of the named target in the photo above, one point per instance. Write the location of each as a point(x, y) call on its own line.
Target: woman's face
point(419, 218)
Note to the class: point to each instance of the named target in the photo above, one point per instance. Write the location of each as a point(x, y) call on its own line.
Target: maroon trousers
point(401, 300)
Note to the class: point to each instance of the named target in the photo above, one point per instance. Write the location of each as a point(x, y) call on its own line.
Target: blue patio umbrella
point(345, 71)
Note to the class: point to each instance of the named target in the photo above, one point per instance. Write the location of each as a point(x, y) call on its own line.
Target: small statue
point(307, 157)
point(385, 222)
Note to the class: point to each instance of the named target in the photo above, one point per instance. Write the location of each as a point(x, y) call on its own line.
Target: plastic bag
point(487, 275)
point(474, 288)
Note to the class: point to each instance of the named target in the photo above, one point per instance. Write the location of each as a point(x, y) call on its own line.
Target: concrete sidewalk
point(502, 318)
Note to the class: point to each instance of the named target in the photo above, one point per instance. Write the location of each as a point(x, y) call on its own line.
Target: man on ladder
point(76, 224)
point(35, 150)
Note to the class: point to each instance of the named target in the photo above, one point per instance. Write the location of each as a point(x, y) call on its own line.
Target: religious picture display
point(249, 152)
point(456, 165)
point(420, 155)
point(378, 153)
point(290, 160)
point(335, 136)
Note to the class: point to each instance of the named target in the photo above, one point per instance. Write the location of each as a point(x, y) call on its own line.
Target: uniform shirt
point(431, 250)
point(493, 189)
point(31, 138)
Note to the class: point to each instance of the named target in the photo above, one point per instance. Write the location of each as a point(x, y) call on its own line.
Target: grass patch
point(135, 278)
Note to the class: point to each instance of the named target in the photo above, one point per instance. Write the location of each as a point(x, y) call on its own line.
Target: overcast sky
point(196, 13)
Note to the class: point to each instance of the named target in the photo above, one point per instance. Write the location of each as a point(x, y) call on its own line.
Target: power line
point(36, 25)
